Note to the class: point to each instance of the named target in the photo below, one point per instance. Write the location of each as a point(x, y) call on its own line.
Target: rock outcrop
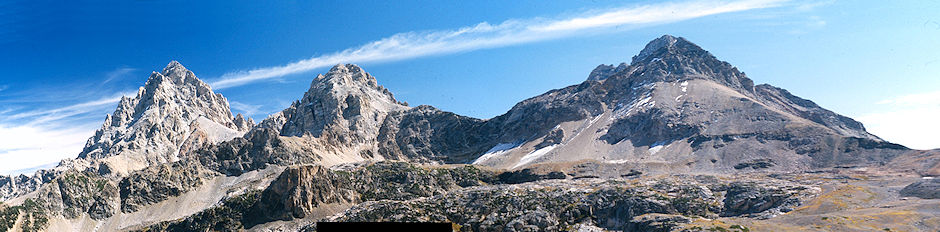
point(313, 191)
point(926, 189)
point(160, 182)
point(383, 192)
point(74, 194)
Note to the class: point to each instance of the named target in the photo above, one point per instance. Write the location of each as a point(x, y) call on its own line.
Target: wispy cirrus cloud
point(118, 74)
point(249, 109)
point(485, 35)
point(40, 137)
point(43, 116)
point(26, 146)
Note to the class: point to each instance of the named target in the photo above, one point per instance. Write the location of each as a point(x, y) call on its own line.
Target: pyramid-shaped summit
point(664, 42)
point(676, 102)
point(153, 126)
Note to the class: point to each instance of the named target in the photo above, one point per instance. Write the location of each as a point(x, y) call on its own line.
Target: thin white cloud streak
point(25, 146)
point(49, 115)
point(118, 74)
point(484, 35)
point(910, 120)
point(918, 99)
point(49, 135)
point(247, 108)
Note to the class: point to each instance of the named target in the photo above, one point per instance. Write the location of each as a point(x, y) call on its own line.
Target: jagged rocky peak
point(243, 123)
point(152, 126)
point(345, 97)
point(670, 59)
point(663, 42)
point(351, 77)
point(604, 71)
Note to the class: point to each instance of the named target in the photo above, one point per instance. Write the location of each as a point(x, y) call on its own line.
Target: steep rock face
point(160, 182)
point(301, 190)
point(73, 194)
point(172, 109)
point(425, 134)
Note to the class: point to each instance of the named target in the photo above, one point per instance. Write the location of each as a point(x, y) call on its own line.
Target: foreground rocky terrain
point(676, 140)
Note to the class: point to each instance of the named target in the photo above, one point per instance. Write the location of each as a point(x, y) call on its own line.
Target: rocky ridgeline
point(674, 95)
point(926, 189)
point(346, 117)
point(607, 153)
point(480, 200)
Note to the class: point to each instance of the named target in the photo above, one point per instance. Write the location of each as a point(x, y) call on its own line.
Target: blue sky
point(64, 65)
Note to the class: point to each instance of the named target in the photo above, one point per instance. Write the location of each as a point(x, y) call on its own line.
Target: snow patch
point(532, 156)
point(618, 161)
point(594, 120)
point(656, 147)
point(643, 101)
point(497, 150)
point(217, 132)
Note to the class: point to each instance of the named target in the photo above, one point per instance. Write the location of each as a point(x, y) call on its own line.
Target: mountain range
point(675, 140)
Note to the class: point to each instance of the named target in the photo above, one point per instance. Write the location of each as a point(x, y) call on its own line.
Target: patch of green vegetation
point(740, 228)
point(34, 218)
point(8, 217)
